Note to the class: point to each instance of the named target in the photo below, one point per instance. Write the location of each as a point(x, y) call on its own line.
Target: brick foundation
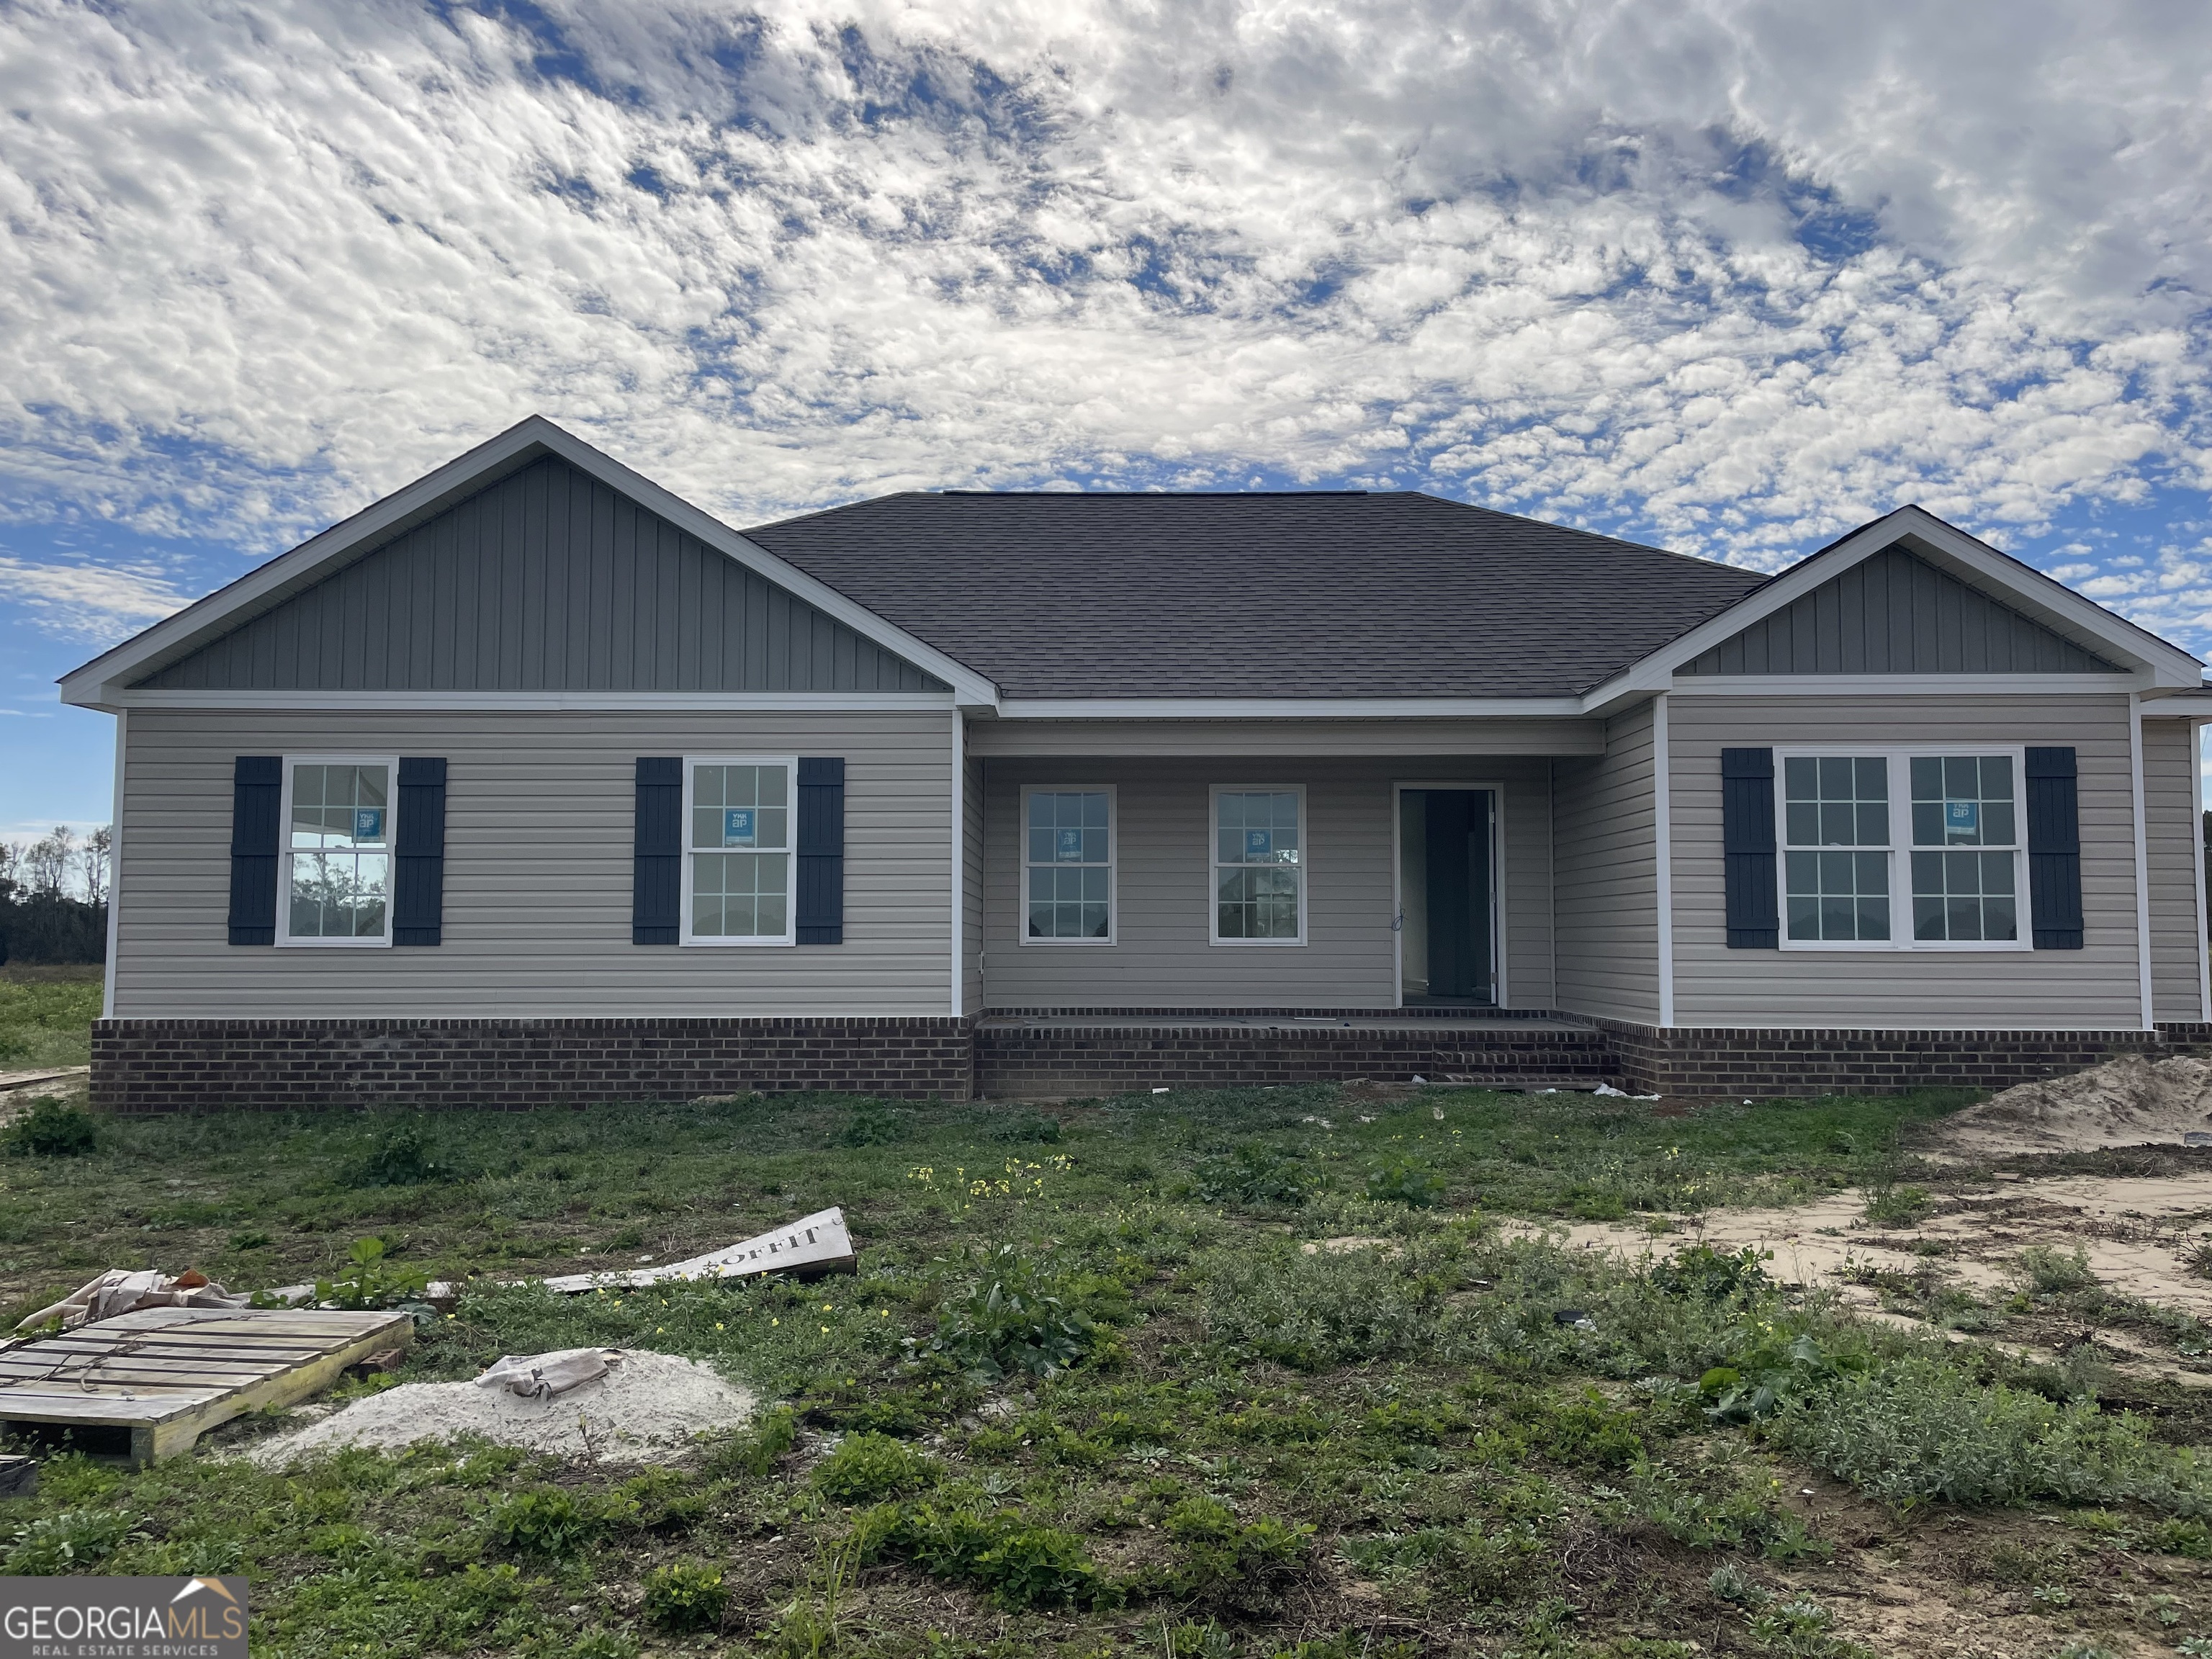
point(273, 1065)
point(1717, 1062)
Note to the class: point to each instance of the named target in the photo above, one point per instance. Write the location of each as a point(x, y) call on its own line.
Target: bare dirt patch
point(2124, 1102)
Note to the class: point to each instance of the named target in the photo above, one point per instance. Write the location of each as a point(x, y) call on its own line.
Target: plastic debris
point(118, 1291)
point(1574, 1319)
point(809, 1246)
point(540, 1377)
point(1619, 1094)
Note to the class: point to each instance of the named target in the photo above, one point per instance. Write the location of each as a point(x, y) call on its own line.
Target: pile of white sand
point(645, 1410)
point(2123, 1103)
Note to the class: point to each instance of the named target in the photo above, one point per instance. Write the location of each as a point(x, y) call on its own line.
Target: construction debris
point(808, 1248)
point(19, 1476)
point(549, 1374)
point(649, 1408)
point(2124, 1102)
point(118, 1291)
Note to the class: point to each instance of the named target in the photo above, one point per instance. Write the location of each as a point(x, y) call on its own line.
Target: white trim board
point(1662, 858)
point(535, 701)
point(2142, 863)
point(95, 684)
point(1023, 864)
point(1876, 685)
point(1500, 989)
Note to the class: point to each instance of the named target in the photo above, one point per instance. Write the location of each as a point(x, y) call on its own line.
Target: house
point(533, 783)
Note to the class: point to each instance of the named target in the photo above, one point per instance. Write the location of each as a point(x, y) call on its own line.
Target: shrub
point(870, 1466)
point(1920, 1430)
point(1699, 1270)
point(1012, 1318)
point(1404, 1181)
point(399, 1157)
point(1315, 1311)
point(68, 1542)
point(2047, 1270)
point(1253, 1173)
point(686, 1595)
point(51, 1128)
point(1897, 1207)
point(872, 1126)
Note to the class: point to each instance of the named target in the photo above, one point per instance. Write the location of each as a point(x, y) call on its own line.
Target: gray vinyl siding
point(1606, 903)
point(547, 580)
point(971, 891)
point(2172, 831)
point(2096, 988)
point(539, 848)
point(1161, 955)
point(1291, 739)
point(1896, 614)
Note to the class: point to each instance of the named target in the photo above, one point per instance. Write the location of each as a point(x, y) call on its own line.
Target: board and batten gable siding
point(1606, 903)
point(548, 581)
point(1894, 613)
point(2097, 988)
point(2172, 834)
point(1161, 955)
point(537, 882)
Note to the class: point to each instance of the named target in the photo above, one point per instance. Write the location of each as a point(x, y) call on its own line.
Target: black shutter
point(1754, 918)
point(821, 917)
point(657, 869)
point(256, 795)
point(2054, 850)
point(418, 887)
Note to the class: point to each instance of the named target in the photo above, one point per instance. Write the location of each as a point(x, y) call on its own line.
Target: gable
point(1894, 612)
point(546, 580)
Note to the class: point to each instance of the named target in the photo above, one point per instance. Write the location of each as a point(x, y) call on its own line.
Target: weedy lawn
point(1247, 1373)
point(46, 1015)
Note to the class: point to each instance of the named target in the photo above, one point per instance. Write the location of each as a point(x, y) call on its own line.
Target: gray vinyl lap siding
point(2173, 832)
point(1161, 957)
point(2096, 988)
point(1894, 613)
point(538, 852)
point(547, 580)
point(1607, 906)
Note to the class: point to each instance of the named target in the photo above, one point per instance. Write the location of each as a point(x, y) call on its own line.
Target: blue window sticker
point(1071, 844)
point(1259, 844)
point(1962, 818)
point(368, 823)
point(737, 826)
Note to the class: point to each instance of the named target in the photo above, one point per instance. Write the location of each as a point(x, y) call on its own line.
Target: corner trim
point(115, 870)
point(2143, 860)
point(1662, 836)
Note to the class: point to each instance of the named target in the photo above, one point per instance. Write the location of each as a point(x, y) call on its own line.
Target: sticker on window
point(737, 826)
point(1962, 818)
point(368, 823)
point(1071, 844)
point(1259, 844)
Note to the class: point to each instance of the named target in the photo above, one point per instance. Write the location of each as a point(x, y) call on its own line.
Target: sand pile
point(2123, 1103)
point(645, 1410)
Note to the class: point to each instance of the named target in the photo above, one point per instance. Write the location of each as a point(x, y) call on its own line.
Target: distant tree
point(46, 862)
point(41, 919)
point(92, 864)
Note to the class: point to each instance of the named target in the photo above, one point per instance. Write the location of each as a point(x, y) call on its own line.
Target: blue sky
point(1731, 278)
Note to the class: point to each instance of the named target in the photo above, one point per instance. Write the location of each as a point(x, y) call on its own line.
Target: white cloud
point(1744, 273)
point(98, 603)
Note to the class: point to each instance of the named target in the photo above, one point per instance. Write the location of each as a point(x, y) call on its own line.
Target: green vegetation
point(1262, 1376)
point(46, 1015)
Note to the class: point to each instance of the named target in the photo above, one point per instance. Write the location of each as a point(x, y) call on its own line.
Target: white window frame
point(285, 852)
point(1214, 866)
point(1113, 862)
point(790, 934)
point(1898, 758)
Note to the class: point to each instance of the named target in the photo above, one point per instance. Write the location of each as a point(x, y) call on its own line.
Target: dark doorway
point(1444, 898)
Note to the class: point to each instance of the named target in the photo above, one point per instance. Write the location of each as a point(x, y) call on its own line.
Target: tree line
point(53, 898)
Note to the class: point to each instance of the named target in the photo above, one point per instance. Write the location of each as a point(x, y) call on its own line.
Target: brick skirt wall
point(213, 1064)
point(1718, 1062)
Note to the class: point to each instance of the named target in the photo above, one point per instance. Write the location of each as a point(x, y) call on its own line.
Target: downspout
point(114, 866)
point(2143, 859)
point(1662, 813)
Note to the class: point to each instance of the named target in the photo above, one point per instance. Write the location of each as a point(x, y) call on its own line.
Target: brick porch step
point(1049, 1055)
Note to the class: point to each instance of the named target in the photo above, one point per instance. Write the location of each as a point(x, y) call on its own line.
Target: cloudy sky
point(1731, 278)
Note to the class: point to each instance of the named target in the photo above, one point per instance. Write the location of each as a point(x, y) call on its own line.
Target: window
point(338, 831)
point(1258, 866)
point(1069, 859)
point(1958, 835)
point(1838, 805)
point(739, 877)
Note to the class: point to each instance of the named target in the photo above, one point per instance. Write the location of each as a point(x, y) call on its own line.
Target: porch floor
point(1384, 1020)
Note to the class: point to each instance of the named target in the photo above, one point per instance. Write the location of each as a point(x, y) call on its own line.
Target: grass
point(46, 1015)
point(1089, 1394)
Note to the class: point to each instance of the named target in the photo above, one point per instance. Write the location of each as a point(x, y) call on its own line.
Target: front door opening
point(1445, 900)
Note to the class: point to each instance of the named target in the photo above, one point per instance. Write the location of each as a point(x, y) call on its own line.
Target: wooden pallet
point(167, 1374)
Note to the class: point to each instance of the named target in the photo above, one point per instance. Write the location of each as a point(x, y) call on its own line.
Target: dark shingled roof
point(1318, 594)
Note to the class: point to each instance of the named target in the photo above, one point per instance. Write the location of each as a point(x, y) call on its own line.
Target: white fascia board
point(1872, 685)
point(99, 683)
point(1123, 708)
point(527, 701)
point(2164, 664)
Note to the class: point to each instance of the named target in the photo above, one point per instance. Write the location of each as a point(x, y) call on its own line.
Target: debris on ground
point(118, 1291)
point(810, 1247)
point(544, 1375)
point(19, 1475)
point(647, 1409)
point(2130, 1101)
